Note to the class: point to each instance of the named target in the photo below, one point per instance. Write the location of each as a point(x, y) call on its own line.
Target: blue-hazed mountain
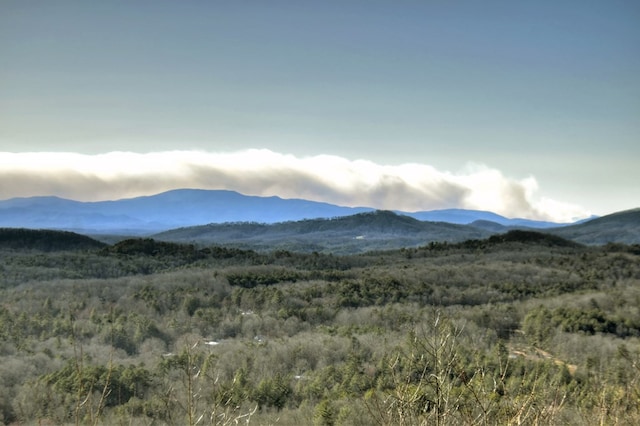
point(190, 207)
point(149, 214)
point(465, 217)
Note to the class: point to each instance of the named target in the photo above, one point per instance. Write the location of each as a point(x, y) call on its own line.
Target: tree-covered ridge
point(515, 239)
point(621, 227)
point(357, 233)
point(45, 240)
point(385, 230)
point(520, 329)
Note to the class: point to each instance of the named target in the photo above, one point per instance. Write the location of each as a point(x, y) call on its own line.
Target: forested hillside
point(621, 227)
point(520, 328)
point(385, 230)
point(357, 233)
point(45, 240)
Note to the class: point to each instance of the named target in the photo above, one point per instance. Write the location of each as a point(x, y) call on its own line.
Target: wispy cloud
point(408, 187)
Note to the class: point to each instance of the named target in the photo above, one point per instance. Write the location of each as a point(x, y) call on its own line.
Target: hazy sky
point(526, 108)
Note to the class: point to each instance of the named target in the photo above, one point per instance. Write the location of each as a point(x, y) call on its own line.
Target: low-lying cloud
point(332, 179)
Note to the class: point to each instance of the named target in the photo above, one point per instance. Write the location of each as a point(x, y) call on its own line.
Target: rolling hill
point(381, 230)
point(621, 227)
point(357, 233)
point(45, 240)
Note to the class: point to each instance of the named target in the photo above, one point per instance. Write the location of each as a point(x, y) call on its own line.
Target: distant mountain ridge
point(465, 217)
point(191, 207)
point(357, 233)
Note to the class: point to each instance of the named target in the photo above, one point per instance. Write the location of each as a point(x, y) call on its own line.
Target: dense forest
point(519, 328)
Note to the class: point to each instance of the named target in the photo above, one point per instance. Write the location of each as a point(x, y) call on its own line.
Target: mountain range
point(190, 207)
point(229, 218)
point(156, 213)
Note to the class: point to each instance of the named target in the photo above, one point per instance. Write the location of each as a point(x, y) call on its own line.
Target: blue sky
point(543, 96)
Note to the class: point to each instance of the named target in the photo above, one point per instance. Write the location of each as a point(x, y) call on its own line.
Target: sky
point(527, 109)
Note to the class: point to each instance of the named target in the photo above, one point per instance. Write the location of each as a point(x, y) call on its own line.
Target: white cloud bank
point(332, 179)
